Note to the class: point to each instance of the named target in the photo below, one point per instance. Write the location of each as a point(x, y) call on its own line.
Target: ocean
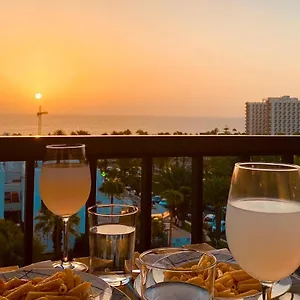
point(97, 124)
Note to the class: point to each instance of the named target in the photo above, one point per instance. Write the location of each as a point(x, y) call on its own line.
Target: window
point(11, 197)
point(7, 197)
point(14, 197)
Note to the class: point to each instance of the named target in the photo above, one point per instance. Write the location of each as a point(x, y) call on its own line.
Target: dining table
point(128, 291)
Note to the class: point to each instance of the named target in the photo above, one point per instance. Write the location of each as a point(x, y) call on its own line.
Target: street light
point(40, 113)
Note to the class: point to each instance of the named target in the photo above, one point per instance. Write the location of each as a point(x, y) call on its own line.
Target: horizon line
point(122, 115)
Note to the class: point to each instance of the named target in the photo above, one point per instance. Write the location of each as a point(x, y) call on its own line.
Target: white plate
point(99, 287)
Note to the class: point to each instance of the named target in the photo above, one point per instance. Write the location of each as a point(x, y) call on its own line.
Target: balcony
point(31, 149)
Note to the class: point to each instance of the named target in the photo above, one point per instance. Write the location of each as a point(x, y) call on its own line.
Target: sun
point(38, 96)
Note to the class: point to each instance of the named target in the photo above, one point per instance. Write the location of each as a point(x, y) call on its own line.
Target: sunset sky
point(147, 57)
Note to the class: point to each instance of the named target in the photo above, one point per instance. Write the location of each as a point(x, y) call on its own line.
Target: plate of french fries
point(51, 284)
point(230, 280)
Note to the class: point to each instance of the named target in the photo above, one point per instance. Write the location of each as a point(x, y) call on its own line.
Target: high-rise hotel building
point(273, 116)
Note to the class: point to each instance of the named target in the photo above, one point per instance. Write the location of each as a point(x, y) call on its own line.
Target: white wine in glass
point(262, 219)
point(65, 185)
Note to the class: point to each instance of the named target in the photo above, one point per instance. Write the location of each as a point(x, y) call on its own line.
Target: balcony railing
point(30, 149)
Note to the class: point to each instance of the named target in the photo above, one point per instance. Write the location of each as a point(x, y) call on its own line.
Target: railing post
point(28, 216)
point(92, 197)
point(197, 199)
point(146, 205)
point(287, 159)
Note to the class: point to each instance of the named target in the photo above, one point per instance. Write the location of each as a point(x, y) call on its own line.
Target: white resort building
point(273, 116)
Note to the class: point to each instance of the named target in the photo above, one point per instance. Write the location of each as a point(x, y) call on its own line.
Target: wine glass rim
point(268, 167)
point(65, 146)
point(134, 210)
point(155, 266)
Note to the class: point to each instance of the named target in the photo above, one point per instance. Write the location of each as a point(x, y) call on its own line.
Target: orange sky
point(169, 57)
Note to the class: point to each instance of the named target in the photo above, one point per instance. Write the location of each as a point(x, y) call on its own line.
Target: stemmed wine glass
point(65, 185)
point(262, 220)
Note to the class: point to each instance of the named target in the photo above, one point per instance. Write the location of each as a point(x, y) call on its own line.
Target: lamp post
point(40, 113)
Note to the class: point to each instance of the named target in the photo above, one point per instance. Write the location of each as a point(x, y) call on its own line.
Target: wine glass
point(65, 185)
point(262, 221)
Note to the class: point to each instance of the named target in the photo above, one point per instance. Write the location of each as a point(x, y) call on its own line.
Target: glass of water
point(112, 241)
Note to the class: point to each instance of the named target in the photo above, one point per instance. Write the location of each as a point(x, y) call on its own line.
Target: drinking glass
point(262, 220)
point(112, 241)
point(176, 273)
point(65, 185)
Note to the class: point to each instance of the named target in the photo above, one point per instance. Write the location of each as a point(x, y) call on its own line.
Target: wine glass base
point(74, 265)
point(115, 279)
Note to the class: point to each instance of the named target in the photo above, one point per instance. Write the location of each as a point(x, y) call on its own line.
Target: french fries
point(63, 285)
point(230, 280)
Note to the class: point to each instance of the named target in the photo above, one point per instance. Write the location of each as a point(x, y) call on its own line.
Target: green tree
point(157, 232)
point(112, 187)
point(125, 132)
point(226, 130)
point(173, 178)
point(215, 191)
point(177, 178)
point(49, 223)
point(217, 178)
point(161, 163)
point(80, 132)
point(141, 132)
point(125, 165)
point(174, 199)
point(12, 244)
point(103, 164)
point(267, 158)
point(183, 208)
point(59, 132)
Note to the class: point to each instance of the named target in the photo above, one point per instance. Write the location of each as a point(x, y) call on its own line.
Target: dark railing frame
point(30, 149)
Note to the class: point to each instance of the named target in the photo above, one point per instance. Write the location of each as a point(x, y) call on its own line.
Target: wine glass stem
point(266, 290)
point(66, 240)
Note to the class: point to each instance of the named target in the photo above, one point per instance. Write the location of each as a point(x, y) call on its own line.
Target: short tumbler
point(112, 241)
point(177, 273)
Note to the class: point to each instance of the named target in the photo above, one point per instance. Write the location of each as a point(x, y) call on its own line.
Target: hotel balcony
point(32, 149)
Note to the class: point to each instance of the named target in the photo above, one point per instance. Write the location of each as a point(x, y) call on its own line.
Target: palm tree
point(184, 207)
point(59, 132)
point(112, 187)
point(49, 223)
point(80, 132)
point(173, 178)
point(125, 132)
point(103, 164)
point(161, 163)
point(215, 191)
point(216, 184)
point(125, 165)
point(141, 132)
point(12, 244)
point(174, 198)
point(157, 232)
point(177, 178)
